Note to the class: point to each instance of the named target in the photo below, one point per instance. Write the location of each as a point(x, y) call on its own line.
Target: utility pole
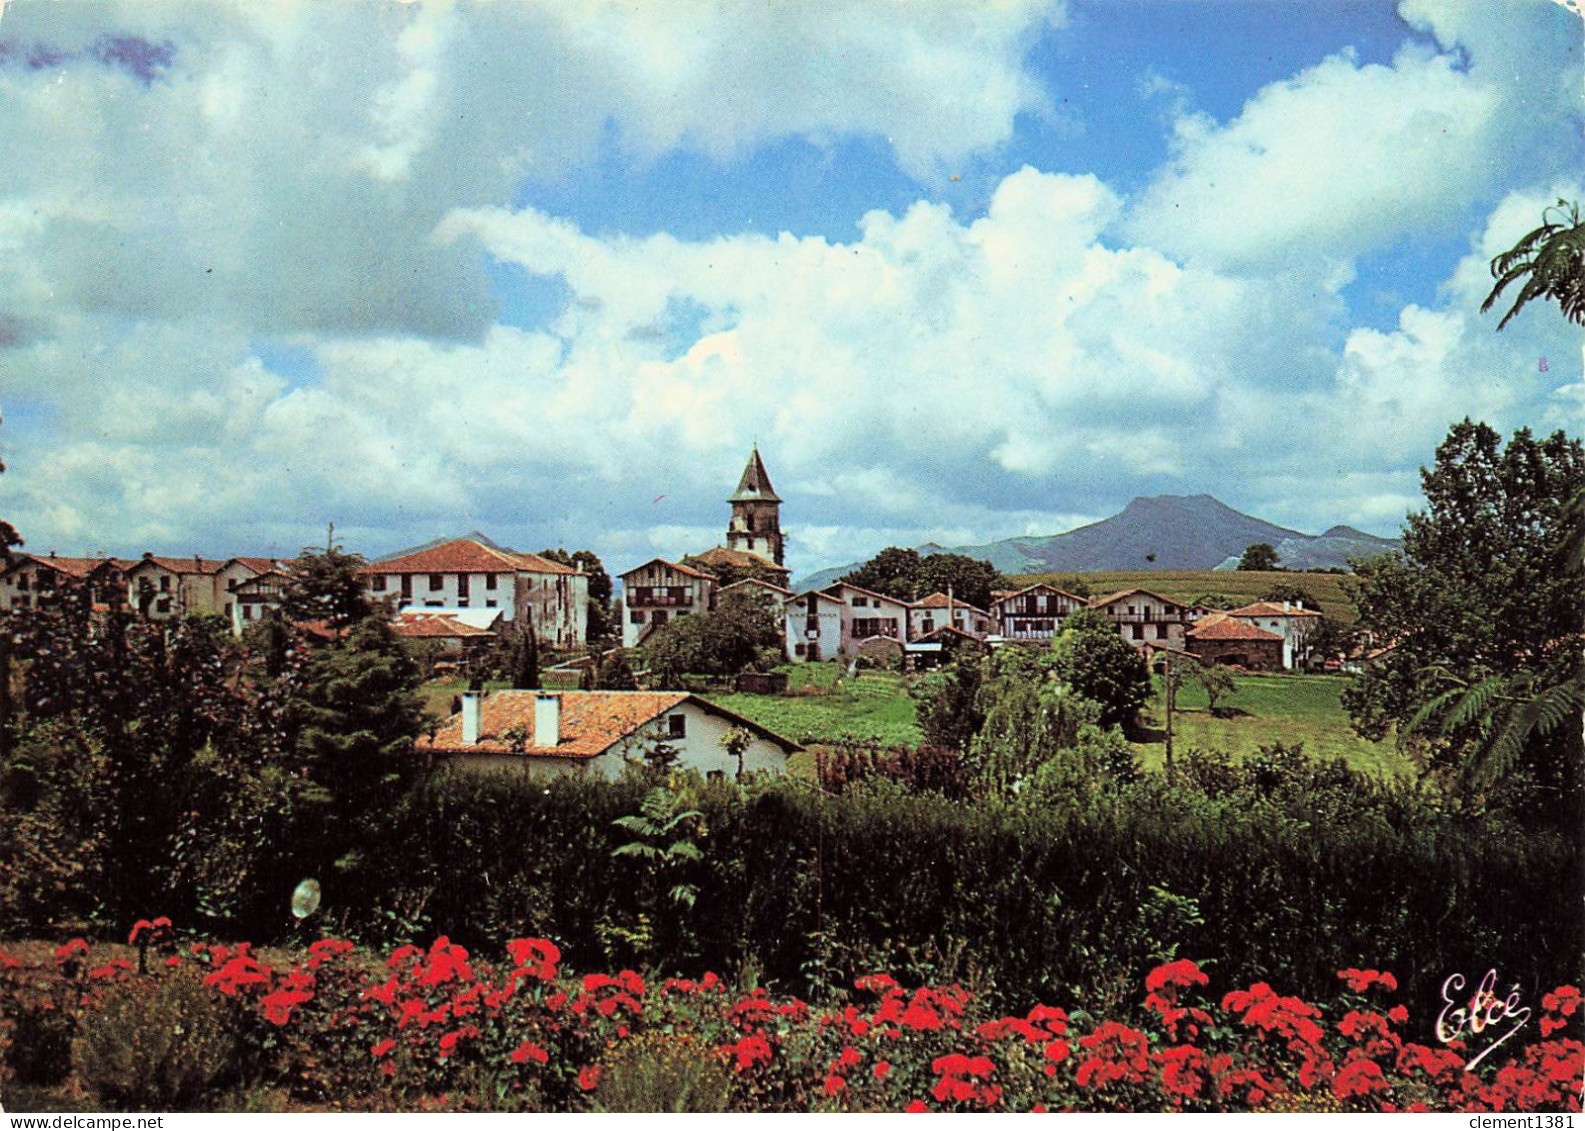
point(1172, 688)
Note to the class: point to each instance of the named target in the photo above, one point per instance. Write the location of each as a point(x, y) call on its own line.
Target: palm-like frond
point(1553, 258)
point(1536, 716)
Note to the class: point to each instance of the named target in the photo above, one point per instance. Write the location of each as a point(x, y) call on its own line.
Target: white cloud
point(1344, 158)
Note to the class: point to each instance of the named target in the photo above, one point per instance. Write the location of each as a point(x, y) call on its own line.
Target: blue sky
point(964, 271)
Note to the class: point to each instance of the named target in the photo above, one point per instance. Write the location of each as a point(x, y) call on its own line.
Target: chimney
point(547, 720)
point(1287, 606)
point(470, 718)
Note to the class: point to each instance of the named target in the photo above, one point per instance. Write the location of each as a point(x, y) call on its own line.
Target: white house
point(657, 591)
point(1144, 617)
point(1287, 619)
point(32, 580)
point(466, 573)
point(866, 613)
point(940, 610)
point(543, 734)
point(1034, 613)
point(162, 588)
point(813, 623)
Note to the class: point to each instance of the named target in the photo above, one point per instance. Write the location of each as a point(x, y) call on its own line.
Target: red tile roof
point(1113, 598)
point(743, 559)
point(1271, 609)
point(435, 627)
point(184, 565)
point(940, 601)
point(841, 585)
point(1230, 629)
point(257, 565)
point(464, 555)
point(669, 565)
point(72, 567)
point(591, 722)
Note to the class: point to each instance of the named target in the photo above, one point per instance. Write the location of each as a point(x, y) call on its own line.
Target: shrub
point(664, 1072)
point(163, 1044)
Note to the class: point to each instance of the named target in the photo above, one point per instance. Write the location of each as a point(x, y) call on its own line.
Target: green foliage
point(1217, 682)
point(1261, 556)
point(614, 673)
point(157, 1044)
point(600, 624)
point(1288, 591)
point(742, 633)
point(908, 577)
point(1553, 258)
point(950, 714)
point(664, 853)
point(1215, 600)
point(1483, 592)
point(1093, 658)
point(326, 586)
point(664, 1072)
point(520, 645)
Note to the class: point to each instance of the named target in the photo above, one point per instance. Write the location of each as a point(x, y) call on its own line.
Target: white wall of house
point(174, 594)
point(698, 748)
point(964, 619)
point(812, 637)
point(867, 614)
point(1144, 619)
point(657, 591)
point(448, 590)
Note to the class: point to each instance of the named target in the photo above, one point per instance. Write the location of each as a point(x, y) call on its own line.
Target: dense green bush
point(164, 1044)
point(1285, 868)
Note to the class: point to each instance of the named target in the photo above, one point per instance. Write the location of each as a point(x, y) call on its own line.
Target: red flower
point(749, 1051)
point(916, 1106)
point(834, 1084)
point(278, 1006)
point(70, 950)
point(323, 950)
point(449, 1042)
point(535, 957)
point(589, 1077)
point(528, 1051)
point(1361, 980)
point(1556, 1007)
point(384, 1048)
point(1397, 1015)
point(879, 983)
point(882, 1069)
point(1175, 975)
point(1362, 1077)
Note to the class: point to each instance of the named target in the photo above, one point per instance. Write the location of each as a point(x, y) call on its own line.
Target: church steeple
point(756, 513)
point(755, 483)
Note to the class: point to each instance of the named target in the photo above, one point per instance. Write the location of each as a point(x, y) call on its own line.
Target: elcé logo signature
point(1482, 1011)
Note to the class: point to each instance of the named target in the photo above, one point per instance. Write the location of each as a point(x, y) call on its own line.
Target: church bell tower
point(756, 513)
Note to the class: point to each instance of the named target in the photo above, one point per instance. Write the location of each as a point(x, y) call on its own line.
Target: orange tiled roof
point(840, 585)
point(432, 627)
point(1112, 598)
point(464, 555)
point(689, 570)
point(591, 721)
point(184, 565)
point(720, 555)
point(1271, 609)
point(939, 601)
point(71, 567)
point(1229, 628)
point(257, 565)
point(757, 581)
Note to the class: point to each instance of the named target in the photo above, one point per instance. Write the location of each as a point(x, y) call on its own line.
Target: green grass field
point(1265, 709)
point(830, 706)
point(1245, 586)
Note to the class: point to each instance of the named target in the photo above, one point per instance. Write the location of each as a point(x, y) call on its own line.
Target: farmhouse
point(1224, 639)
point(544, 734)
point(941, 610)
point(1033, 614)
point(467, 573)
point(1144, 617)
point(32, 580)
point(1287, 619)
point(659, 590)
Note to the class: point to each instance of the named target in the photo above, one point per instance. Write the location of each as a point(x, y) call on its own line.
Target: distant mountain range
point(1161, 532)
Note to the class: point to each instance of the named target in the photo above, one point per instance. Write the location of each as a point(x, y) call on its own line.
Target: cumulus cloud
point(1342, 158)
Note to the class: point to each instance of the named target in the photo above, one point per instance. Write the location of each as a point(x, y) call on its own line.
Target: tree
point(1259, 556)
point(326, 585)
point(951, 715)
point(1553, 258)
point(1214, 600)
point(892, 572)
point(8, 533)
point(1093, 658)
point(1217, 682)
point(522, 652)
point(1485, 595)
point(903, 574)
point(613, 673)
point(741, 633)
